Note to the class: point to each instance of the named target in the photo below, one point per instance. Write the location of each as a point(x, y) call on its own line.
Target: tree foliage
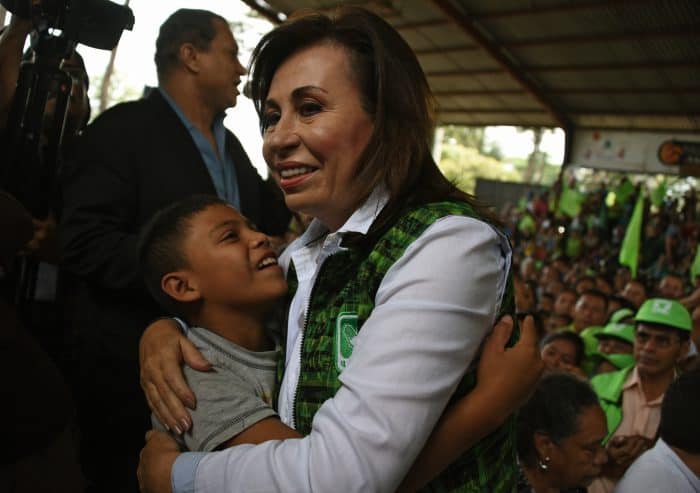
point(463, 165)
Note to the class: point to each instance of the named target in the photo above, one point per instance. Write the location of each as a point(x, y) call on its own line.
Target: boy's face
point(230, 263)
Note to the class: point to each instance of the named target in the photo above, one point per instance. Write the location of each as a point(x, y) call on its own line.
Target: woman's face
point(315, 130)
point(578, 459)
point(559, 354)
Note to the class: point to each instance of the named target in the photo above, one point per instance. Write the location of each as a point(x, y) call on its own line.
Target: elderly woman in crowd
point(394, 285)
point(560, 434)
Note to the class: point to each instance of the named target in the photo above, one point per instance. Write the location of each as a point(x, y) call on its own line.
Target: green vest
point(608, 387)
point(341, 301)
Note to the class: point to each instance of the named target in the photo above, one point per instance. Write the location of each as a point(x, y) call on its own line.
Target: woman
point(394, 250)
point(563, 351)
point(560, 435)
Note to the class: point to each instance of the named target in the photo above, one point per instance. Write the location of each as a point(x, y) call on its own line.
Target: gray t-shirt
point(233, 396)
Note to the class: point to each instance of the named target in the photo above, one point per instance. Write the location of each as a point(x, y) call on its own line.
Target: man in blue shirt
point(136, 158)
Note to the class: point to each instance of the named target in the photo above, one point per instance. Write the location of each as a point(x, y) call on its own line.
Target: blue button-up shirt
point(220, 166)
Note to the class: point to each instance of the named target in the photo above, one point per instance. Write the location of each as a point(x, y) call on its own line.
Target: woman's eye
point(308, 109)
point(269, 119)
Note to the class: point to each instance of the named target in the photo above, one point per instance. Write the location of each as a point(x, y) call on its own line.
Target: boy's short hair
point(160, 245)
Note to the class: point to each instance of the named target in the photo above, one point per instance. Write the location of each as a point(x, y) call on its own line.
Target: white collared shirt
point(432, 311)
point(659, 469)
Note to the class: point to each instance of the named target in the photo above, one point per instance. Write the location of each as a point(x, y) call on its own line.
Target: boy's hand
point(162, 350)
point(156, 461)
point(509, 375)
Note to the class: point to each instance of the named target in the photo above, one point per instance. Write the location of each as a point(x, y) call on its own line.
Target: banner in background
point(635, 152)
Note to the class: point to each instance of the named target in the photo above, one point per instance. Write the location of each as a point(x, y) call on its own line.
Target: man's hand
point(623, 451)
point(156, 461)
point(162, 351)
point(509, 374)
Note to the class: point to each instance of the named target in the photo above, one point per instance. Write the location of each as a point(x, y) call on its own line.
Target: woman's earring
point(543, 464)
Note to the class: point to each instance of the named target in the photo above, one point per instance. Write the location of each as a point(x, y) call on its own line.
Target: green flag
point(570, 201)
point(623, 191)
point(657, 196)
point(629, 252)
point(695, 266)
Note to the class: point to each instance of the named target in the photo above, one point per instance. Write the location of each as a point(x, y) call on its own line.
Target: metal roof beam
point(408, 26)
point(575, 90)
point(492, 111)
point(668, 32)
point(591, 67)
point(555, 9)
point(447, 49)
point(477, 34)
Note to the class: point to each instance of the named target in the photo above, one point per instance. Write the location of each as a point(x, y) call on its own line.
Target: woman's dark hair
point(394, 91)
point(183, 26)
point(679, 413)
point(553, 409)
point(571, 337)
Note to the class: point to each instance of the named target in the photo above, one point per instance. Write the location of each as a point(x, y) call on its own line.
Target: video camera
point(34, 154)
point(35, 147)
point(95, 23)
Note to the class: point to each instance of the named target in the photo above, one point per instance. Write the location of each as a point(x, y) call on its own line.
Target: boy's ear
point(179, 286)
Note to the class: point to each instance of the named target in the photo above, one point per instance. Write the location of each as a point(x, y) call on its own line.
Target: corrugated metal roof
point(622, 64)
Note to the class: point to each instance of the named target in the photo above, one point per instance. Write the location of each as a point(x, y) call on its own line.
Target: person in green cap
point(631, 398)
point(615, 347)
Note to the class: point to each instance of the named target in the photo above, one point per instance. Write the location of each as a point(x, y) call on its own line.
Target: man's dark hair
point(554, 409)
point(596, 293)
point(183, 26)
point(571, 337)
point(160, 244)
point(623, 302)
point(679, 413)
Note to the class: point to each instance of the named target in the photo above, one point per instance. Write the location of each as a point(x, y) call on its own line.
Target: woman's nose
point(282, 137)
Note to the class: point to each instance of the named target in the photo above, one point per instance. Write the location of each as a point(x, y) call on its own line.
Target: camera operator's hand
point(11, 44)
point(44, 244)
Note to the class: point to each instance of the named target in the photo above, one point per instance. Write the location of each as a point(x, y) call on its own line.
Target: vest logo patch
point(345, 332)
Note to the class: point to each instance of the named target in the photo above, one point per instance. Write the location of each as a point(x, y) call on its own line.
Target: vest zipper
point(301, 342)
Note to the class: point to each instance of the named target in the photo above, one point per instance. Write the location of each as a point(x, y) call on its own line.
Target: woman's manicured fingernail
point(185, 424)
point(177, 430)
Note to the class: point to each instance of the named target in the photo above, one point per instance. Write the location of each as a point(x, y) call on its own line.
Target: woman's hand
point(162, 350)
point(156, 461)
point(508, 375)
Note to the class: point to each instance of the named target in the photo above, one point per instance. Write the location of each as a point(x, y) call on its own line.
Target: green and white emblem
point(345, 332)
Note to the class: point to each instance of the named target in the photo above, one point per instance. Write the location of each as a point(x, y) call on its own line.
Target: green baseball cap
point(619, 361)
point(667, 312)
point(619, 331)
point(620, 314)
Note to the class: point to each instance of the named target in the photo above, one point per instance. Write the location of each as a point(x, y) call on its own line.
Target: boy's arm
point(505, 379)
point(267, 429)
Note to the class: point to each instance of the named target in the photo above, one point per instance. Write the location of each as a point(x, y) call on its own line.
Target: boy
point(205, 263)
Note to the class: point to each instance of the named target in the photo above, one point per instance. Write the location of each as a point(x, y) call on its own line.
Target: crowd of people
point(406, 339)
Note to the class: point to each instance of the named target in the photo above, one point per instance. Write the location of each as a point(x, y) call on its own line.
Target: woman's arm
point(505, 379)
point(432, 311)
point(163, 349)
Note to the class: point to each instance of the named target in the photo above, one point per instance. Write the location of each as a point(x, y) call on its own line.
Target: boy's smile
point(230, 263)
